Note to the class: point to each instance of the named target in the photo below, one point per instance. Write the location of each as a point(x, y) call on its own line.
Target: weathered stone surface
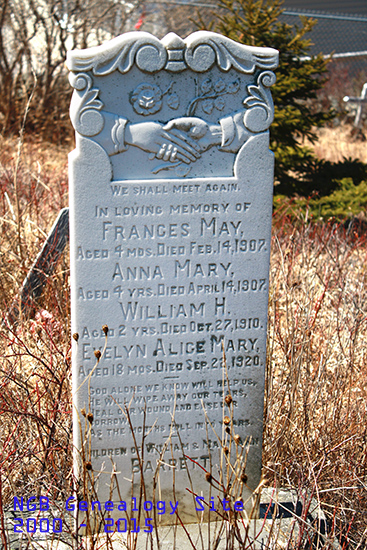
point(170, 205)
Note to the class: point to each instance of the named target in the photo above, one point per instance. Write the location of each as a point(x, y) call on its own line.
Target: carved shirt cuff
point(118, 134)
point(234, 133)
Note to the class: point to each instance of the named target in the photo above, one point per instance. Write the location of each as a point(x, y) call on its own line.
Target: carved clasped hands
point(205, 134)
point(152, 137)
point(181, 139)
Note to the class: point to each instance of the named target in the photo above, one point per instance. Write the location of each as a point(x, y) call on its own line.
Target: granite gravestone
point(170, 209)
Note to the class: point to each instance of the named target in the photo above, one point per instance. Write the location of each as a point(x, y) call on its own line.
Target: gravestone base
point(284, 516)
point(284, 519)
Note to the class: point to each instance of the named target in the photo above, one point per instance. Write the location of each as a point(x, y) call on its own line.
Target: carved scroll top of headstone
point(172, 106)
point(198, 52)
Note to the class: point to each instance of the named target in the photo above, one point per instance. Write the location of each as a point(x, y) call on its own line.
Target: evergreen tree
point(299, 78)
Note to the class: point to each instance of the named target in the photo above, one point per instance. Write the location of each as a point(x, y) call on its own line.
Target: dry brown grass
point(34, 365)
point(316, 419)
point(33, 188)
point(344, 141)
point(316, 424)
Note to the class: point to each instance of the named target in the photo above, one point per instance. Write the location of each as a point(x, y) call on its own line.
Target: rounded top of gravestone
point(173, 42)
point(198, 52)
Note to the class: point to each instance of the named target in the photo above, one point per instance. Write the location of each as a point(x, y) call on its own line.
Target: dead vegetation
point(316, 394)
point(344, 141)
point(316, 418)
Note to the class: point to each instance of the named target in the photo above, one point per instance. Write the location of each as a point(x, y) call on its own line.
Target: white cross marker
point(360, 101)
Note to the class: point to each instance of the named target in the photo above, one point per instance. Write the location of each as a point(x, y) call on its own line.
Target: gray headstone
point(170, 209)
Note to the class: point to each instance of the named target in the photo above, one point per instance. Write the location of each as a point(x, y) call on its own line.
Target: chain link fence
point(344, 38)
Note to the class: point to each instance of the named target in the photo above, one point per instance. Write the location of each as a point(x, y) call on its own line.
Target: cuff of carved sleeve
point(228, 131)
point(118, 134)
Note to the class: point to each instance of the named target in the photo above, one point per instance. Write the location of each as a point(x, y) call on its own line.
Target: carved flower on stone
point(146, 99)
